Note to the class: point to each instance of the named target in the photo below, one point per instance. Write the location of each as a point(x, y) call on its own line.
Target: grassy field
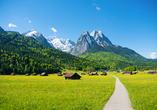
point(142, 90)
point(54, 92)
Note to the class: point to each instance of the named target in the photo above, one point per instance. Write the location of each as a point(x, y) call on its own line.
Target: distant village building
point(72, 76)
point(141, 70)
point(59, 74)
point(43, 74)
point(93, 73)
point(104, 73)
point(27, 74)
point(82, 73)
point(152, 72)
point(127, 73)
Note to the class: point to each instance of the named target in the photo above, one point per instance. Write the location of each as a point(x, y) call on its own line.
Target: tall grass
point(142, 89)
point(54, 92)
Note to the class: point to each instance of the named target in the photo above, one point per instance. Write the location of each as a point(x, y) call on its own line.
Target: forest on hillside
point(118, 58)
point(21, 55)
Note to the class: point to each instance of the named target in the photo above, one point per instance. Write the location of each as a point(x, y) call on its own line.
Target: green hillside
point(20, 55)
point(118, 57)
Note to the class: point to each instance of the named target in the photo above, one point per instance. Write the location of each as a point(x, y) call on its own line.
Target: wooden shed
point(104, 73)
point(59, 74)
point(43, 74)
point(27, 74)
point(127, 73)
point(82, 73)
point(72, 76)
point(93, 73)
point(152, 72)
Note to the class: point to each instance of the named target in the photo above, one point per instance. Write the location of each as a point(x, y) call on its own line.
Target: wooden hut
point(27, 74)
point(82, 73)
point(141, 70)
point(72, 76)
point(104, 73)
point(152, 72)
point(59, 74)
point(127, 73)
point(43, 74)
point(93, 73)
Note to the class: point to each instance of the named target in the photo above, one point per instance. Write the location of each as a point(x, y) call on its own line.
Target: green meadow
point(54, 92)
point(142, 89)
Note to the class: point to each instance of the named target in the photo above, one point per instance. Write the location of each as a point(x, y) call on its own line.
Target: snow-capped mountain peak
point(33, 33)
point(64, 45)
point(100, 38)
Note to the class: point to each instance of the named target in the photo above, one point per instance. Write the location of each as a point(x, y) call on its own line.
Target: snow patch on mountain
point(64, 45)
point(100, 38)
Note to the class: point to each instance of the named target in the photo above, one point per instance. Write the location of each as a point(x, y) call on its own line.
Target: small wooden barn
point(104, 73)
point(27, 74)
point(82, 73)
point(72, 76)
point(43, 74)
point(127, 73)
point(59, 74)
point(152, 72)
point(93, 73)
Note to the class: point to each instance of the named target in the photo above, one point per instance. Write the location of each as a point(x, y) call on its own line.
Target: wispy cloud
point(153, 55)
point(52, 37)
point(29, 21)
point(11, 25)
point(98, 8)
point(53, 29)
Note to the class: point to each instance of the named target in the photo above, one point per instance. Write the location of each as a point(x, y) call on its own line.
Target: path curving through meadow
point(120, 99)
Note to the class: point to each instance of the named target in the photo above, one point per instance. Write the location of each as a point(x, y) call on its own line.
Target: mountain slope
point(38, 36)
point(84, 43)
point(64, 45)
point(117, 57)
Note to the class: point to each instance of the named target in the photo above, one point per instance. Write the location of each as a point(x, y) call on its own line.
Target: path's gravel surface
point(120, 99)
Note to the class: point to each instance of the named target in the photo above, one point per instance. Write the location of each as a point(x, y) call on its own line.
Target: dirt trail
point(120, 99)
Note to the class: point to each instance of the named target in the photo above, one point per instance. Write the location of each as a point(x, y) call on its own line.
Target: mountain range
point(95, 47)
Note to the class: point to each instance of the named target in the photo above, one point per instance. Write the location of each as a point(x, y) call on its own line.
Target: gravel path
point(120, 99)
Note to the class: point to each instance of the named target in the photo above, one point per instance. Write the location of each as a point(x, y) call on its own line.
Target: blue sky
point(128, 23)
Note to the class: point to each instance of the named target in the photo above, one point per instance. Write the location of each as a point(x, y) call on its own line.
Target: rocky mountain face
point(100, 38)
point(64, 45)
point(84, 43)
point(38, 36)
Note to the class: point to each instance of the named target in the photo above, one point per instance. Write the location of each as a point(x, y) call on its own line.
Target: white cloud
point(30, 21)
point(11, 25)
point(153, 55)
point(97, 7)
point(53, 29)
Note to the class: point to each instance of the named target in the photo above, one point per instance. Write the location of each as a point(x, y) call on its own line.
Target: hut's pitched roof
point(152, 71)
point(69, 74)
point(104, 73)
